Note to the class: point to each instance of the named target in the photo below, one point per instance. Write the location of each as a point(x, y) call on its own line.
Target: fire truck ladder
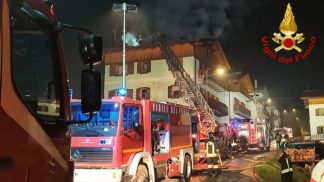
point(193, 95)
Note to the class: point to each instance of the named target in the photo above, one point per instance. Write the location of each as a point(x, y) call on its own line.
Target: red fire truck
point(223, 134)
point(34, 104)
point(132, 140)
point(248, 134)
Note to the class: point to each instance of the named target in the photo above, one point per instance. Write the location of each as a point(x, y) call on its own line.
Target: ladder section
point(193, 95)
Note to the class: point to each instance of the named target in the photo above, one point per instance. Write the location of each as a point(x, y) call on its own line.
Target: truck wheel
point(141, 174)
point(187, 169)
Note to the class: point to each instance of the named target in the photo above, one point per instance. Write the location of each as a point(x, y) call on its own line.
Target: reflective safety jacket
point(211, 148)
point(285, 163)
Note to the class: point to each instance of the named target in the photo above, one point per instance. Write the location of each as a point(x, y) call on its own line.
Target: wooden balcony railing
point(242, 111)
point(219, 108)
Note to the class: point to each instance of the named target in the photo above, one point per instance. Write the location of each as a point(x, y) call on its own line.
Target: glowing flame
point(288, 25)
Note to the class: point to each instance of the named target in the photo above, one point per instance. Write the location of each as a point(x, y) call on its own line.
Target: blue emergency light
point(122, 91)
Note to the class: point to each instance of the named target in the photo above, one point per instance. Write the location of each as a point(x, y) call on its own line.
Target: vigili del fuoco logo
point(287, 40)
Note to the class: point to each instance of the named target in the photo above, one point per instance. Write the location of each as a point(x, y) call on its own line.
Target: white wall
point(315, 121)
point(158, 80)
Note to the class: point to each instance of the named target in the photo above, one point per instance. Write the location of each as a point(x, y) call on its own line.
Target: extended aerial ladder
point(191, 90)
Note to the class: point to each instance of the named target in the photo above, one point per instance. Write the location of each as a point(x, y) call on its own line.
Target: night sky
point(238, 24)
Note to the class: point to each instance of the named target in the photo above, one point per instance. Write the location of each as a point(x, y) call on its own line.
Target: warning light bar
point(122, 92)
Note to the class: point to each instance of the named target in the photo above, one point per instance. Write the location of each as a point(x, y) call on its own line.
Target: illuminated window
point(319, 112)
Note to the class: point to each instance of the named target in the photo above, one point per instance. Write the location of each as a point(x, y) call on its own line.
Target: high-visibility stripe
point(213, 153)
point(180, 147)
point(286, 170)
point(141, 149)
point(132, 150)
point(212, 166)
point(287, 163)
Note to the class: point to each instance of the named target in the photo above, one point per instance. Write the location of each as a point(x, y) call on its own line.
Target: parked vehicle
point(128, 140)
point(248, 134)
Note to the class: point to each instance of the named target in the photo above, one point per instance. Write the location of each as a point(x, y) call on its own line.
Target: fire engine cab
point(34, 104)
point(132, 140)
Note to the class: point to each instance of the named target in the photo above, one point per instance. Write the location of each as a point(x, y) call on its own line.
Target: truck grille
point(92, 154)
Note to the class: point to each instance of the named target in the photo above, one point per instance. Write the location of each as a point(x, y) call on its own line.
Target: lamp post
point(124, 8)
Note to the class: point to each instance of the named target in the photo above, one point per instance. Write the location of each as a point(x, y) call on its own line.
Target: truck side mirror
point(90, 91)
point(90, 48)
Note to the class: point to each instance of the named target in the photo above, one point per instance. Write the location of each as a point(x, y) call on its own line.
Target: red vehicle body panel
point(27, 152)
point(125, 146)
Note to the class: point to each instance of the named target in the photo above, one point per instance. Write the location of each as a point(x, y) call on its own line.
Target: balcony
point(265, 112)
point(219, 108)
point(242, 111)
point(212, 82)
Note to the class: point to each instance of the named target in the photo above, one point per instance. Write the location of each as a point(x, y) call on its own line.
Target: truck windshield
point(35, 66)
point(103, 123)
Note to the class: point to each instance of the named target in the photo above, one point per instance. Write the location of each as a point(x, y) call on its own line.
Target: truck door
point(29, 62)
point(132, 138)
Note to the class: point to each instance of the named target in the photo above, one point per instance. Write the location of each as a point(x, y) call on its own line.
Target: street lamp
point(220, 71)
point(123, 8)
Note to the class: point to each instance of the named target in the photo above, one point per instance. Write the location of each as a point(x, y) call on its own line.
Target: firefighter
point(284, 143)
point(278, 140)
point(212, 152)
point(286, 167)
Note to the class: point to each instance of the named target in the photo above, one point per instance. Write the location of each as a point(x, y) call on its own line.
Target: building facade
point(149, 77)
point(314, 102)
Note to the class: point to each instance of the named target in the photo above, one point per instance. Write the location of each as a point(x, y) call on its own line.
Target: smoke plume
point(191, 19)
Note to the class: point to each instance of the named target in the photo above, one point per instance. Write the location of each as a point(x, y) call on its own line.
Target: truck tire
point(141, 174)
point(187, 169)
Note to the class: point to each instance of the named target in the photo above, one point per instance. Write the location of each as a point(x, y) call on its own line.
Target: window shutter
point(119, 70)
point(111, 93)
point(112, 70)
point(139, 67)
point(130, 93)
point(148, 95)
point(138, 94)
point(170, 91)
point(148, 67)
point(180, 59)
point(130, 68)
